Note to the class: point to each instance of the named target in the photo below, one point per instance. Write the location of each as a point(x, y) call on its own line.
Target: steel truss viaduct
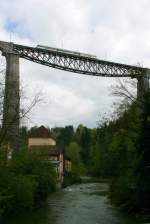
point(64, 60)
point(77, 64)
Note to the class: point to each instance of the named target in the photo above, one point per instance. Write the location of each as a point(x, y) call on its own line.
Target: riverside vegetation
point(25, 182)
point(118, 149)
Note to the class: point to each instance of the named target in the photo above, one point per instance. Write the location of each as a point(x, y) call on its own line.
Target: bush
point(26, 181)
point(22, 189)
point(40, 168)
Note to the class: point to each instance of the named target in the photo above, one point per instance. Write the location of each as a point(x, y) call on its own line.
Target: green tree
point(64, 135)
point(26, 180)
point(143, 167)
point(73, 153)
point(83, 138)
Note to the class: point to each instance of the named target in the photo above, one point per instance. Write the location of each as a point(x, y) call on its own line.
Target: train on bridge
point(59, 50)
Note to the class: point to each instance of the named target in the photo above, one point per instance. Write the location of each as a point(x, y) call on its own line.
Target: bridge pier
point(143, 84)
point(10, 125)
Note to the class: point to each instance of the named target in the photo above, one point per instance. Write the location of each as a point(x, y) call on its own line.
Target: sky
point(113, 30)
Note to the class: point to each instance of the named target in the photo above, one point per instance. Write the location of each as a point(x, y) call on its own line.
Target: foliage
point(26, 180)
point(121, 152)
point(77, 169)
point(64, 135)
point(83, 138)
point(143, 166)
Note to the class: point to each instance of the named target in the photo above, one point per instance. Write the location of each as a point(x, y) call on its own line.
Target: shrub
point(26, 180)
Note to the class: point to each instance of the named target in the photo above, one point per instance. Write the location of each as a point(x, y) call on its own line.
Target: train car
point(65, 51)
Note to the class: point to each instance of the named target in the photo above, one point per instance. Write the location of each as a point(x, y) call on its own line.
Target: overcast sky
point(116, 30)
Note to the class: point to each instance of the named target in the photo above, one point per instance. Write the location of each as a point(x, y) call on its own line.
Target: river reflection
point(78, 204)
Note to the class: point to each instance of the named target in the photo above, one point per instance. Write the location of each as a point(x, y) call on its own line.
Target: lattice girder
point(78, 64)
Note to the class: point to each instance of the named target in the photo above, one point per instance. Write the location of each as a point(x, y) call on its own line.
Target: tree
point(73, 153)
point(126, 89)
point(64, 135)
point(143, 167)
point(83, 138)
point(26, 181)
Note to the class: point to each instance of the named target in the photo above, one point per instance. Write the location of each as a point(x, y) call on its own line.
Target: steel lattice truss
point(78, 64)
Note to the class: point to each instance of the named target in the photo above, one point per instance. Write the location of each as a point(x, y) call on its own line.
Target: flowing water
point(77, 204)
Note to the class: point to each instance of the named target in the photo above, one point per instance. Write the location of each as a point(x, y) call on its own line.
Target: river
point(78, 204)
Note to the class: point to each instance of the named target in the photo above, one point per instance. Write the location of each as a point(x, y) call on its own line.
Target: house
point(40, 140)
point(41, 137)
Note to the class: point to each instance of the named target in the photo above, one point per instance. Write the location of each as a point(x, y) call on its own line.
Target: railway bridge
point(59, 59)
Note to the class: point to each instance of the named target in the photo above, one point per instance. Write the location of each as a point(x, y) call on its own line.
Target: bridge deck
point(78, 63)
